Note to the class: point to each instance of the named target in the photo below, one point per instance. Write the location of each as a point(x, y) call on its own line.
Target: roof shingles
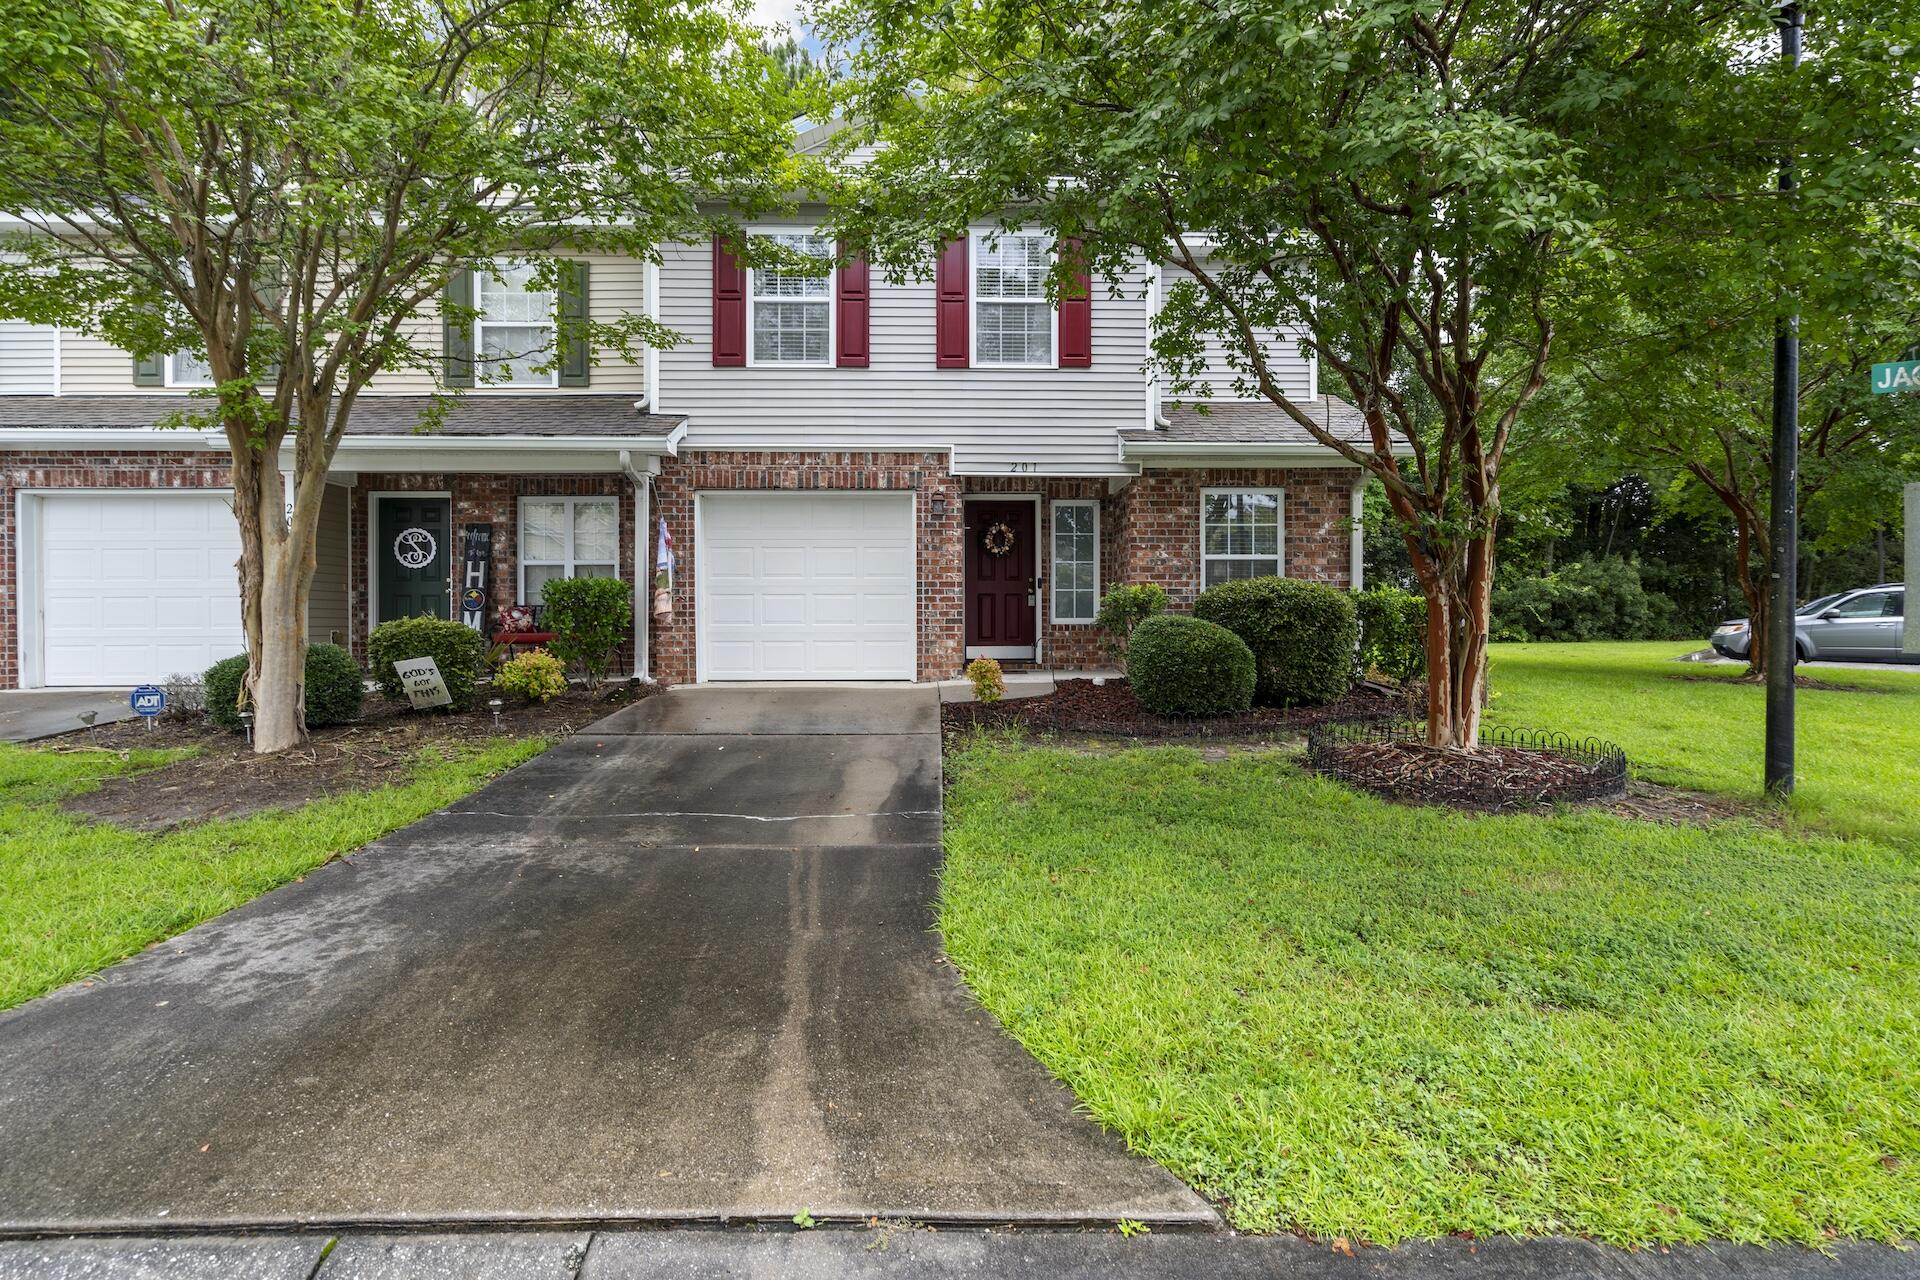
point(598, 416)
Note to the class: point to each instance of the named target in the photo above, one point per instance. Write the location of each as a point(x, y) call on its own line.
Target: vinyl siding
point(1293, 371)
point(327, 614)
point(26, 358)
point(996, 420)
point(616, 287)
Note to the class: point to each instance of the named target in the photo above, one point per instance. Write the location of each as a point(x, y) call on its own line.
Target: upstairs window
point(1239, 534)
point(516, 329)
point(790, 312)
point(186, 369)
point(567, 538)
point(1012, 317)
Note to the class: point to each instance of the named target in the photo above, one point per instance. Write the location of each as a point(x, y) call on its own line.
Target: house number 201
point(1023, 466)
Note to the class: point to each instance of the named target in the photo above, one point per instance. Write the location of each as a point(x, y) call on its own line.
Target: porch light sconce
point(939, 505)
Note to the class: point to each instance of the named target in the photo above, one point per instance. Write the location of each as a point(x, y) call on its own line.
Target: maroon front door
point(1001, 587)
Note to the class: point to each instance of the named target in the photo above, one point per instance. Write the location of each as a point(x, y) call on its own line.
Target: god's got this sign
point(420, 677)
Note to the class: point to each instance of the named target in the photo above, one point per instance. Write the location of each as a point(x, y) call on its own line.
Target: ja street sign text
point(1900, 375)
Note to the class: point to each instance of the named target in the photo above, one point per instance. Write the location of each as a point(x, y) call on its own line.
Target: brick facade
point(196, 469)
point(941, 626)
point(481, 499)
point(1160, 514)
point(1149, 530)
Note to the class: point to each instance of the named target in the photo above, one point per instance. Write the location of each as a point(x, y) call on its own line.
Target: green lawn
point(1859, 753)
point(76, 895)
point(1352, 1018)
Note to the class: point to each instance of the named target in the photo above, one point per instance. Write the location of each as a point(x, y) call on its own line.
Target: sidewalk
point(859, 1253)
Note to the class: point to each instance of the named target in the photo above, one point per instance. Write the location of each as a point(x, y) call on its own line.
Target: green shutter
point(576, 368)
point(457, 335)
point(150, 371)
point(270, 289)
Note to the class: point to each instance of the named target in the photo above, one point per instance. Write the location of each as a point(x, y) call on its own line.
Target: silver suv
point(1854, 626)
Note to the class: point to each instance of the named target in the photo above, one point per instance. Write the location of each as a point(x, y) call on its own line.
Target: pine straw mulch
point(1498, 777)
point(225, 779)
point(1799, 682)
point(1111, 710)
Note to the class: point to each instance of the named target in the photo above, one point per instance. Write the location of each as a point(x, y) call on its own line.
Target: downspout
point(1156, 418)
point(1357, 548)
point(642, 519)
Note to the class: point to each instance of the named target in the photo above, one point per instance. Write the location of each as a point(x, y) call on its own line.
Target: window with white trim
point(1012, 316)
point(516, 329)
point(1076, 560)
point(186, 369)
point(567, 538)
point(1239, 535)
point(790, 312)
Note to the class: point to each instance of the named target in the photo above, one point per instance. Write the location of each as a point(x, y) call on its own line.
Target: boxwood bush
point(335, 687)
point(589, 617)
point(1393, 632)
point(457, 649)
point(1302, 634)
point(1182, 666)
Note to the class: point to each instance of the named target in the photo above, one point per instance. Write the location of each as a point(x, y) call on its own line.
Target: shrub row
point(335, 688)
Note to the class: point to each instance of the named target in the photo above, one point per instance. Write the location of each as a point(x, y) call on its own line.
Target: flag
point(663, 562)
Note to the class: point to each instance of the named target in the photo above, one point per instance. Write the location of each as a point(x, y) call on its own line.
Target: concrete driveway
point(679, 968)
point(27, 715)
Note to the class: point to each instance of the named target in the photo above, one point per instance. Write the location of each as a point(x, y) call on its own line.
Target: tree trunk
point(277, 675)
point(276, 578)
point(1459, 605)
point(1755, 592)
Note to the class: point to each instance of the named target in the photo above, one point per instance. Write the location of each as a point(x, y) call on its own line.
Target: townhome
point(861, 480)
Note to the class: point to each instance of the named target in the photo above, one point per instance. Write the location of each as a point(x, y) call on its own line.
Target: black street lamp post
point(1782, 652)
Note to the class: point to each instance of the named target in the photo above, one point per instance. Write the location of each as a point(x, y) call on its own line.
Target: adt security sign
point(1898, 375)
point(148, 700)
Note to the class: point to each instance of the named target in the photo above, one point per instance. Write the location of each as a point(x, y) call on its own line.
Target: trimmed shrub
point(589, 617)
point(1303, 635)
point(1393, 632)
point(1181, 666)
point(335, 688)
point(457, 649)
point(223, 682)
point(989, 685)
point(1127, 606)
point(535, 675)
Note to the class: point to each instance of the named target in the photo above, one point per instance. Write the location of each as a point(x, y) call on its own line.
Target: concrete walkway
point(896, 1251)
point(27, 715)
point(680, 968)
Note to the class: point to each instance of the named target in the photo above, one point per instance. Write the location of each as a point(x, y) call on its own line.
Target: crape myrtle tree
point(284, 189)
point(1407, 184)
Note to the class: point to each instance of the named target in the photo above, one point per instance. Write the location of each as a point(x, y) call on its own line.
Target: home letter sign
point(420, 677)
point(478, 549)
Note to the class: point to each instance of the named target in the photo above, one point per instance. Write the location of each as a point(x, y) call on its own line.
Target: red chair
point(520, 625)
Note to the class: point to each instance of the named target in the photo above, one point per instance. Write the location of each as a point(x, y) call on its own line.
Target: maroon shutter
point(850, 320)
point(729, 307)
point(1076, 316)
point(950, 341)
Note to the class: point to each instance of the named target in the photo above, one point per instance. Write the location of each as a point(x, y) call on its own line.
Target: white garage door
point(135, 587)
point(805, 586)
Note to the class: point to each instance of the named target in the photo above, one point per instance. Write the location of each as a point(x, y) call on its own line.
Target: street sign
point(1896, 375)
point(148, 700)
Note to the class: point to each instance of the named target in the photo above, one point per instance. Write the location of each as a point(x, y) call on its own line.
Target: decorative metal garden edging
point(1515, 768)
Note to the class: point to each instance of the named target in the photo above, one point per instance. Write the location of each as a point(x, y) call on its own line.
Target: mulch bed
point(1495, 777)
point(226, 779)
point(1110, 709)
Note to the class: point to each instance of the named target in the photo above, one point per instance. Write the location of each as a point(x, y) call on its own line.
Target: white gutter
point(1357, 548)
point(96, 438)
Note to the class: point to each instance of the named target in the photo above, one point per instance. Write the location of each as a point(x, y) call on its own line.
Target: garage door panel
point(136, 586)
point(832, 587)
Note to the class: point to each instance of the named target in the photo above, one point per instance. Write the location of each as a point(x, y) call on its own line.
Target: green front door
point(412, 557)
